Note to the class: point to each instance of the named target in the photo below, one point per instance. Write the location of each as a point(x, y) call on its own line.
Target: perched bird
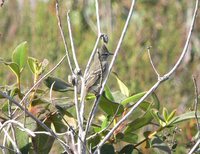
point(98, 70)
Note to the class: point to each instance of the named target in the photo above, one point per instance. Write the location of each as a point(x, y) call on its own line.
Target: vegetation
point(37, 104)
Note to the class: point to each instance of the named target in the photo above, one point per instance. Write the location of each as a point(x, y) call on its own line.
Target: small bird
point(98, 70)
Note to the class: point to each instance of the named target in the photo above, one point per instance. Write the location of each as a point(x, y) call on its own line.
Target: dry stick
point(83, 135)
point(63, 37)
point(72, 44)
point(194, 147)
point(34, 118)
point(80, 124)
point(113, 60)
point(151, 61)
point(11, 140)
point(156, 85)
point(196, 102)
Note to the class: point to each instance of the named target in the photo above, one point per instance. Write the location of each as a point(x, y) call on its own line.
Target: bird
point(98, 70)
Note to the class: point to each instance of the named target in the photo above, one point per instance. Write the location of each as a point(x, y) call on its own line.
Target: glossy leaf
point(108, 93)
point(156, 142)
point(94, 141)
point(106, 122)
point(133, 99)
point(123, 88)
point(184, 117)
point(165, 114)
point(22, 140)
point(110, 107)
point(32, 63)
point(59, 85)
point(128, 149)
point(14, 67)
point(19, 54)
point(59, 126)
point(107, 149)
point(130, 138)
point(139, 122)
point(171, 115)
point(42, 143)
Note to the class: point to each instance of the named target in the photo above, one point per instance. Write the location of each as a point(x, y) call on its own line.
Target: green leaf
point(42, 143)
point(130, 138)
point(165, 114)
point(171, 115)
point(139, 122)
point(94, 141)
point(133, 99)
point(123, 88)
point(107, 149)
point(60, 127)
point(106, 122)
point(32, 63)
point(156, 101)
point(156, 142)
point(184, 117)
point(108, 93)
point(19, 54)
point(14, 68)
point(128, 149)
point(59, 85)
point(22, 140)
point(110, 107)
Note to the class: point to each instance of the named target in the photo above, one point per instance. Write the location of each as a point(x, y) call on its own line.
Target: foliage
point(162, 30)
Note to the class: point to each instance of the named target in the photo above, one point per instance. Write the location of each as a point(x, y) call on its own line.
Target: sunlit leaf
point(19, 54)
point(123, 88)
point(32, 63)
point(133, 99)
point(22, 140)
point(14, 67)
point(139, 122)
point(110, 107)
point(130, 138)
point(108, 93)
point(184, 117)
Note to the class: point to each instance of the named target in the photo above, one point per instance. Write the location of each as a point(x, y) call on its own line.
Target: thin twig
point(72, 45)
point(151, 61)
point(194, 147)
point(98, 20)
point(196, 102)
point(17, 123)
point(156, 85)
point(63, 37)
point(11, 140)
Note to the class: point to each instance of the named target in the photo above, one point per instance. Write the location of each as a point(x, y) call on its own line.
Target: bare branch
point(98, 21)
point(63, 37)
point(19, 124)
point(157, 84)
point(194, 147)
point(149, 54)
point(196, 102)
point(72, 45)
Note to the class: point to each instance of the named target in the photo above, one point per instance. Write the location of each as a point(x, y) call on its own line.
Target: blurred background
point(158, 23)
